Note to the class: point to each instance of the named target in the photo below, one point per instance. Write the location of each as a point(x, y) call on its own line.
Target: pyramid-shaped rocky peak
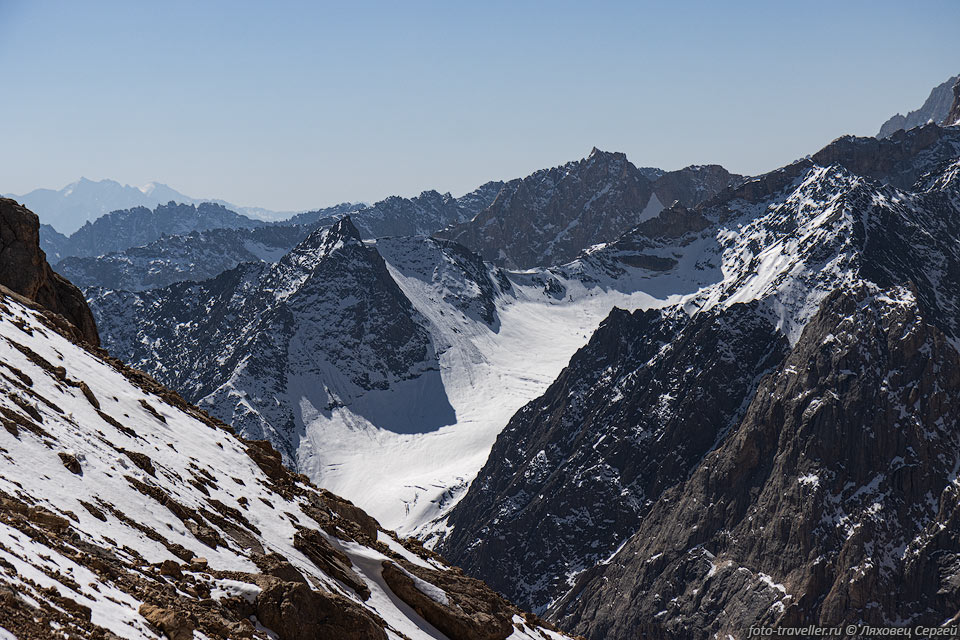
point(344, 229)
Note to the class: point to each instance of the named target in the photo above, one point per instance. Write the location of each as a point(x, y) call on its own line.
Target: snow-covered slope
point(126, 511)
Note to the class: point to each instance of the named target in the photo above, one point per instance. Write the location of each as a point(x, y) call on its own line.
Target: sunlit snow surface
point(179, 446)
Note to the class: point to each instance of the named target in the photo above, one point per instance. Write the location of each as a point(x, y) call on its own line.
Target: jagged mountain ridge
point(85, 200)
point(418, 216)
point(485, 368)
point(787, 240)
point(551, 216)
point(198, 255)
point(127, 512)
point(215, 247)
point(935, 109)
point(122, 229)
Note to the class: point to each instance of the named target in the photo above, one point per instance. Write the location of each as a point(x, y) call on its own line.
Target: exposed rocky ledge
point(24, 270)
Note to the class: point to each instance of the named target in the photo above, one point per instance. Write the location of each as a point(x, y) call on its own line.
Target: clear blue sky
point(291, 105)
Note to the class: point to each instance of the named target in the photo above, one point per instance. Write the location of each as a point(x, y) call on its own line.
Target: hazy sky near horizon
point(293, 105)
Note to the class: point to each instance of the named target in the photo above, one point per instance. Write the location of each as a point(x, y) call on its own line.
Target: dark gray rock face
point(832, 502)
point(53, 243)
point(419, 216)
point(693, 185)
point(551, 216)
point(24, 270)
point(934, 109)
point(898, 160)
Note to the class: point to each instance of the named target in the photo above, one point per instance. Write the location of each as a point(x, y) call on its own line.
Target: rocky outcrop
point(461, 608)
point(934, 109)
point(294, 611)
point(24, 270)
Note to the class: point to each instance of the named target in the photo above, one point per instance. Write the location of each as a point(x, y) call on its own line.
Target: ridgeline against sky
point(318, 103)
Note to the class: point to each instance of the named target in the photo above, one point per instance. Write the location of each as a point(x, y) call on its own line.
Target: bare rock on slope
point(24, 269)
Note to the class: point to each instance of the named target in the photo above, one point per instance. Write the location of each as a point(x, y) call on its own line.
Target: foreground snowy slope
point(128, 512)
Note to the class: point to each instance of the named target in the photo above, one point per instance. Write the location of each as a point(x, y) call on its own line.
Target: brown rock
point(70, 462)
point(175, 625)
point(46, 519)
point(295, 612)
point(88, 394)
point(267, 458)
point(171, 569)
point(24, 270)
point(472, 611)
point(331, 561)
point(347, 510)
point(273, 564)
point(80, 610)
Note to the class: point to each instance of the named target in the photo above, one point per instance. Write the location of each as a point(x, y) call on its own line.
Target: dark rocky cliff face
point(834, 500)
point(695, 184)
point(550, 216)
point(24, 270)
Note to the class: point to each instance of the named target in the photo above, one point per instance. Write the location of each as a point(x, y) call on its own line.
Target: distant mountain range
point(140, 248)
point(67, 209)
point(552, 215)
